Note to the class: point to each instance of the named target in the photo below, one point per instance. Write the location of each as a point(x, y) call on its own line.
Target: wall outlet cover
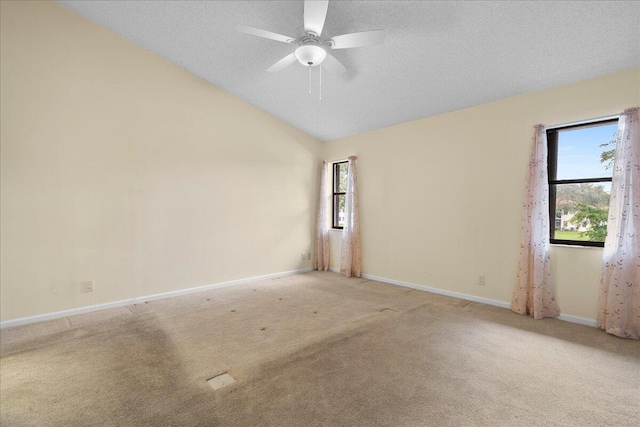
point(87, 286)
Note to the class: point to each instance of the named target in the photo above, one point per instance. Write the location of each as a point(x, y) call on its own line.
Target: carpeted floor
point(316, 349)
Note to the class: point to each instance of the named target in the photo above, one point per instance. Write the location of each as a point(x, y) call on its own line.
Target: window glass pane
point(586, 152)
point(581, 211)
point(342, 182)
point(339, 201)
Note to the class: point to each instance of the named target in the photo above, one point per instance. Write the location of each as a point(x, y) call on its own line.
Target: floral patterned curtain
point(321, 252)
point(351, 260)
point(619, 305)
point(534, 293)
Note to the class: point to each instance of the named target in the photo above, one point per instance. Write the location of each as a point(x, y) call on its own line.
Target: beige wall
point(441, 197)
point(122, 168)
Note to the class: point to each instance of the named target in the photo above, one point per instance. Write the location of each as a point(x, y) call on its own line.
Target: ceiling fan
point(312, 47)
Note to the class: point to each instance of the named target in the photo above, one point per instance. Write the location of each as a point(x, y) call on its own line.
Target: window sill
point(560, 245)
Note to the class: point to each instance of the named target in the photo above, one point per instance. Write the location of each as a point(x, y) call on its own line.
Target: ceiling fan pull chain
point(320, 87)
point(309, 80)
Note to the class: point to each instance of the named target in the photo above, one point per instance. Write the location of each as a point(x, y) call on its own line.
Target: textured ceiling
point(438, 56)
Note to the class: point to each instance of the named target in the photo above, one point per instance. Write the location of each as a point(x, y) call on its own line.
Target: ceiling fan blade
point(283, 63)
point(332, 65)
point(263, 33)
point(315, 13)
point(365, 38)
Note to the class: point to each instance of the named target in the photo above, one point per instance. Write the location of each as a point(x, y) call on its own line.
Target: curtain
point(321, 252)
point(351, 260)
point(619, 303)
point(534, 294)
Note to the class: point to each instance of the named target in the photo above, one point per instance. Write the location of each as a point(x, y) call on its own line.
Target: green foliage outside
point(607, 156)
point(343, 174)
point(597, 217)
point(570, 196)
point(589, 204)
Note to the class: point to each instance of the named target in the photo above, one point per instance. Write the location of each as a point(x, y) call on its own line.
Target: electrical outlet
point(481, 280)
point(87, 286)
point(303, 256)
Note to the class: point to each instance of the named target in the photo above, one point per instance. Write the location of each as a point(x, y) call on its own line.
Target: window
point(580, 167)
point(340, 171)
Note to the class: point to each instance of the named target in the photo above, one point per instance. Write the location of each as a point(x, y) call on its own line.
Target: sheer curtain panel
point(321, 250)
point(619, 304)
point(534, 294)
point(351, 259)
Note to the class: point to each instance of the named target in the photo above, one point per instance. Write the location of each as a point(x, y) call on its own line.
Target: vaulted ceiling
point(438, 56)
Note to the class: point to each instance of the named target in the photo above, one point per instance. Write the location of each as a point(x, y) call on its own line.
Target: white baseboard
point(137, 300)
point(580, 320)
point(439, 291)
point(503, 304)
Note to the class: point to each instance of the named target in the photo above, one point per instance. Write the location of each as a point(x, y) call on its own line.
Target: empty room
point(319, 213)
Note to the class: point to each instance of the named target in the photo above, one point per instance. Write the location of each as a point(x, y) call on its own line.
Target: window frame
point(335, 194)
point(553, 182)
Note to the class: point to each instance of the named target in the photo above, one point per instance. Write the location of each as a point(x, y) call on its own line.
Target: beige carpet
point(316, 349)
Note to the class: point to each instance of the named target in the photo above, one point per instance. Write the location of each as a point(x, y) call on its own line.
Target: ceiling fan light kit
point(310, 55)
point(312, 51)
